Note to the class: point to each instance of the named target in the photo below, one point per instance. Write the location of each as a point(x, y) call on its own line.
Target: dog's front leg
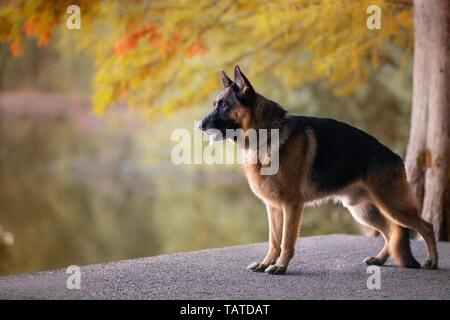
point(275, 216)
point(292, 213)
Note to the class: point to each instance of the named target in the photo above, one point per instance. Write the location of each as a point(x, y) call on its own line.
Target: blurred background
point(81, 187)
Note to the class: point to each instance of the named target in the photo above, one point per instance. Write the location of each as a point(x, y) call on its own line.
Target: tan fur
point(392, 194)
point(242, 115)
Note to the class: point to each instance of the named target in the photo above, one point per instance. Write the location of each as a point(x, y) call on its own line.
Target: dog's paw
point(373, 261)
point(430, 264)
point(412, 264)
point(274, 269)
point(257, 267)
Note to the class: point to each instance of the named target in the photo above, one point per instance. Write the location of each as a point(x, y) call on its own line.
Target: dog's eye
point(223, 106)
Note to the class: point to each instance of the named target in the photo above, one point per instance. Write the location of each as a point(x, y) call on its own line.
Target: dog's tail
point(400, 246)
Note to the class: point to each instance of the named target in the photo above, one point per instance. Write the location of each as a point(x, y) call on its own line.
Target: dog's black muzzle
point(212, 121)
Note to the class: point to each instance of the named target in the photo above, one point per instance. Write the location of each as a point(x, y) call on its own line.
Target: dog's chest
point(266, 187)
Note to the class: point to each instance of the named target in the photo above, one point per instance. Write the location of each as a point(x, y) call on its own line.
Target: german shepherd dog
point(321, 159)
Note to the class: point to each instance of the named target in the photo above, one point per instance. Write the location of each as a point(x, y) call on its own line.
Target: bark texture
point(428, 156)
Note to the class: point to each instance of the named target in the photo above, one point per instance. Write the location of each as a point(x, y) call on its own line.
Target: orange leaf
point(44, 39)
point(28, 28)
point(123, 46)
point(16, 48)
point(198, 48)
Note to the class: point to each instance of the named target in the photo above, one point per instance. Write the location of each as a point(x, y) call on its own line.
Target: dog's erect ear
point(226, 81)
point(242, 81)
point(245, 92)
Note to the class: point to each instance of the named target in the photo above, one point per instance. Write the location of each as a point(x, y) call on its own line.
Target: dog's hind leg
point(368, 215)
point(400, 246)
point(392, 194)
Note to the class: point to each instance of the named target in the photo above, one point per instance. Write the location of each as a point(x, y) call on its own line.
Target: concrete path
point(325, 267)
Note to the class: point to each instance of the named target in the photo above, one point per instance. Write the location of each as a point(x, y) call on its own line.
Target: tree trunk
point(428, 157)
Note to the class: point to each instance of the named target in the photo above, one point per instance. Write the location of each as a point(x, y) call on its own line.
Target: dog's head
point(232, 108)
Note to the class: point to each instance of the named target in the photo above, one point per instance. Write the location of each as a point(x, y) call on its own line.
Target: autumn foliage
point(164, 55)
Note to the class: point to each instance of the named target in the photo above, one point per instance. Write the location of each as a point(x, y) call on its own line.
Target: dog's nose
point(200, 125)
